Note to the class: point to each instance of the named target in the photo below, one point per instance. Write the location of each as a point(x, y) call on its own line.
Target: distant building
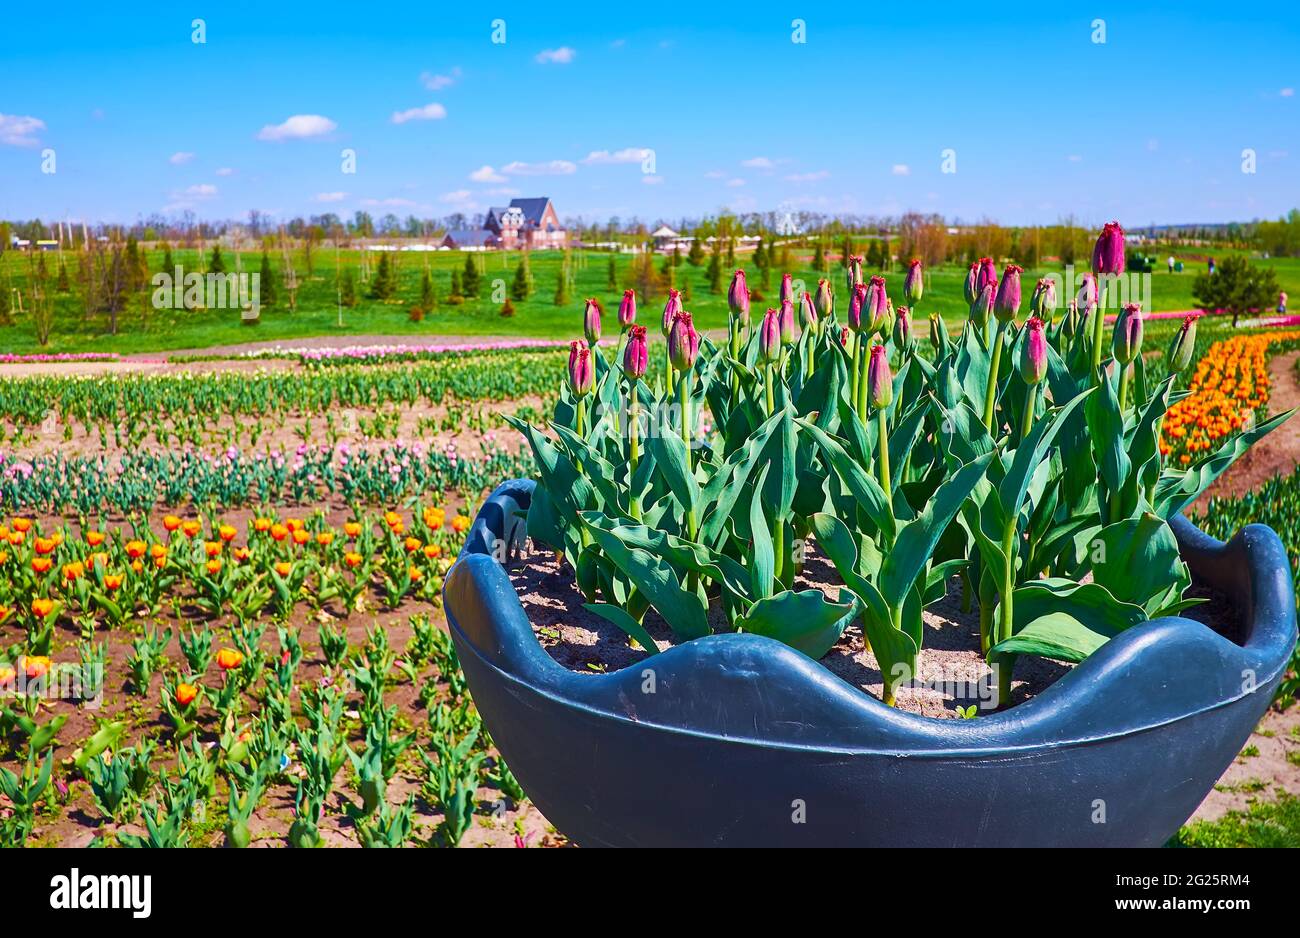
point(471, 239)
point(524, 223)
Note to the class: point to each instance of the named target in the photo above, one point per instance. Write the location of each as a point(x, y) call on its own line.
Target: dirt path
point(1277, 452)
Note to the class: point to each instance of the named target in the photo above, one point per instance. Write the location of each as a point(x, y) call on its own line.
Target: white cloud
point(180, 159)
point(1287, 92)
point(298, 127)
point(225, 171)
point(329, 197)
point(16, 131)
point(651, 179)
point(1075, 158)
point(715, 174)
point(202, 190)
point(561, 56)
point(458, 197)
point(486, 173)
point(549, 168)
point(735, 183)
point(606, 158)
point(438, 82)
point(758, 162)
point(808, 177)
point(430, 112)
point(901, 169)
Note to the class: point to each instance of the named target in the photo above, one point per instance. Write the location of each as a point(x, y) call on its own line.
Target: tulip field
point(221, 575)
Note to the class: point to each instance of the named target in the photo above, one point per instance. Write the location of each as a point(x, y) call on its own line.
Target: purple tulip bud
point(591, 321)
point(903, 337)
point(787, 288)
point(627, 309)
point(683, 342)
point(982, 306)
point(1007, 303)
point(856, 303)
point(738, 296)
point(880, 383)
point(877, 311)
point(1043, 302)
point(1128, 333)
point(808, 309)
point(938, 331)
point(1108, 252)
point(1087, 295)
point(1181, 348)
point(786, 322)
point(769, 336)
point(844, 337)
point(582, 373)
point(825, 299)
point(855, 269)
point(988, 274)
point(1033, 352)
point(970, 289)
point(671, 309)
point(913, 283)
point(636, 357)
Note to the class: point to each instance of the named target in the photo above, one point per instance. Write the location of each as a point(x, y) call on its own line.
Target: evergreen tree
point(846, 251)
point(520, 287)
point(457, 296)
point(217, 265)
point(731, 253)
point(266, 283)
point(873, 256)
point(695, 256)
point(612, 280)
point(470, 279)
point(428, 298)
point(714, 272)
point(381, 287)
point(819, 259)
point(347, 290)
point(561, 288)
point(168, 267)
point(63, 285)
point(677, 255)
point(686, 294)
point(886, 255)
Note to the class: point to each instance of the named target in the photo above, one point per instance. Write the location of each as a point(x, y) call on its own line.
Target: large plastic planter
point(748, 742)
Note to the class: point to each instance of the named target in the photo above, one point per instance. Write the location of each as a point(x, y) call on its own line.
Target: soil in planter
point(951, 673)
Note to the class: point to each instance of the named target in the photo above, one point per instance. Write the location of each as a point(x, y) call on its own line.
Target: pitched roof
point(472, 237)
point(533, 209)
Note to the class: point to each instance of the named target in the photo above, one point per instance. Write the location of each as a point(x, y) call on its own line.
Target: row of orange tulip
point(1230, 384)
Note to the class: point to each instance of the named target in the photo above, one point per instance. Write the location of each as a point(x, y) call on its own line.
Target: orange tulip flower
point(41, 564)
point(22, 525)
point(41, 608)
point(213, 566)
point(135, 549)
point(352, 559)
point(226, 533)
point(284, 569)
point(351, 529)
point(186, 693)
point(229, 658)
point(171, 522)
point(95, 538)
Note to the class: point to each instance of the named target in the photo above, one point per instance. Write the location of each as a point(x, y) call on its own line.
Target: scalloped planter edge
point(738, 740)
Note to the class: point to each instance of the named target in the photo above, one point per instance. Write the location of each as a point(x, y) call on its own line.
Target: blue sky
point(1148, 127)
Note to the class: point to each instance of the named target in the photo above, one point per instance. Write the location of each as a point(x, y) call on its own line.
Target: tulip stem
point(1031, 405)
point(768, 380)
point(884, 450)
point(634, 447)
point(1098, 326)
point(995, 365)
point(857, 369)
point(1123, 389)
point(863, 381)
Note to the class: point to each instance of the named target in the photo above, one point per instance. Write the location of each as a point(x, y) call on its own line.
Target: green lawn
point(538, 316)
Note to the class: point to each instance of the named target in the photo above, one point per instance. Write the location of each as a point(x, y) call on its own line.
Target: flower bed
point(1229, 390)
